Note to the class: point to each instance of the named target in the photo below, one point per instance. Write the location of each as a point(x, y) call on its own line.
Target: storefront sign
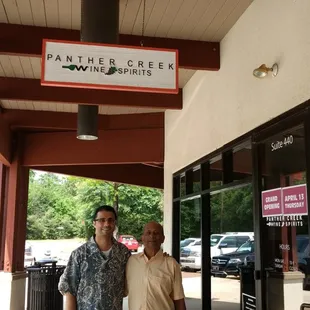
point(249, 302)
point(295, 200)
point(272, 202)
point(279, 264)
point(99, 66)
point(277, 145)
point(284, 206)
point(285, 221)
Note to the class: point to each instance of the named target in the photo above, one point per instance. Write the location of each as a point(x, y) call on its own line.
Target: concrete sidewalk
point(195, 304)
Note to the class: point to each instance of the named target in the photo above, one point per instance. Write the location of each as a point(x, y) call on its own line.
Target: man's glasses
point(103, 220)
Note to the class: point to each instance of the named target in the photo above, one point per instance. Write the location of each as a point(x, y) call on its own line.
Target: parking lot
point(225, 292)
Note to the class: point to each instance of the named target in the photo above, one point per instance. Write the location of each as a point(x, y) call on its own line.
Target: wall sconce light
point(263, 70)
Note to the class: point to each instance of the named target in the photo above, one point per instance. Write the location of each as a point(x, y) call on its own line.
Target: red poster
point(295, 200)
point(272, 202)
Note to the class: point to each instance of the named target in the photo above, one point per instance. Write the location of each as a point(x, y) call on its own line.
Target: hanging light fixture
point(87, 122)
point(99, 24)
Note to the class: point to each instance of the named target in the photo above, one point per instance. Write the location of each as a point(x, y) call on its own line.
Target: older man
point(94, 278)
point(154, 281)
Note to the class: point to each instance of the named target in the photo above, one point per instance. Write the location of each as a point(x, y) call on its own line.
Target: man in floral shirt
point(94, 278)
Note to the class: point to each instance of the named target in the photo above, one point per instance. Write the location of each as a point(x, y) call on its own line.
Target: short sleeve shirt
point(153, 284)
point(96, 281)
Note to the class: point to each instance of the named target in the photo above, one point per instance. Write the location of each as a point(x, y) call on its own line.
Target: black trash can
point(247, 287)
point(43, 279)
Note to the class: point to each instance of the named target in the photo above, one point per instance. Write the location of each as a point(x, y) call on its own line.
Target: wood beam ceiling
point(112, 147)
point(43, 120)
point(27, 40)
point(134, 174)
point(30, 89)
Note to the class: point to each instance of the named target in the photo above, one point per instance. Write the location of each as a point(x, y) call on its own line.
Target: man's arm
point(126, 270)
point(70, 303)
point(178, 304)
point(178, 292)
point(69, 282)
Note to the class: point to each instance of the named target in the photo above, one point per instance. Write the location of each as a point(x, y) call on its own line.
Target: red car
point(130, 242)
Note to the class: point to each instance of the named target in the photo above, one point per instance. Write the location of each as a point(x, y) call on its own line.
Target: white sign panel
point(101, 66)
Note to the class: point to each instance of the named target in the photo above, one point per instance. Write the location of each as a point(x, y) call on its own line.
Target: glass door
point(284, 242)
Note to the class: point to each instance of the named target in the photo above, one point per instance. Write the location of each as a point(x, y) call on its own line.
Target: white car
point(188, 241)
point(28, 258)
point(220, 244)
point(228, 242)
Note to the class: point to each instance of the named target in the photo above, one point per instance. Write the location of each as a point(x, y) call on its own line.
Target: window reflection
point(242, 161)
point(216, 171)
point(196, 179)
point(190, 245)
point(182, 185)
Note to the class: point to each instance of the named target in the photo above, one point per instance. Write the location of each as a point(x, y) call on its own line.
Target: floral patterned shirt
point(97, 282)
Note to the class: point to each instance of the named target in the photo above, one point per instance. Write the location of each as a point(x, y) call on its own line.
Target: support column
point(13, 277)
point(3, 207)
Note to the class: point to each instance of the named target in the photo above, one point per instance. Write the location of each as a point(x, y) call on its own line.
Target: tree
point(62, 207)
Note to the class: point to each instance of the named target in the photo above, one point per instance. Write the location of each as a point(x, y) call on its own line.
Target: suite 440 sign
point(100, 66)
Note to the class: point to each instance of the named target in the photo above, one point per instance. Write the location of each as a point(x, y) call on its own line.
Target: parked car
point(130, 242)
point(44, 256)
point(187, 242)
point(190, 256)
point(228, 242)
point(228, 264)
point(29, 259)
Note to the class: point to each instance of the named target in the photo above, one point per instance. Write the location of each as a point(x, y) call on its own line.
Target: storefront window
point(196, 179)
point(182, 185)
point(232, 211)
point(216, 172)
point(190, 247)
point(242, 161)
point(284, 204)
point(232, 242)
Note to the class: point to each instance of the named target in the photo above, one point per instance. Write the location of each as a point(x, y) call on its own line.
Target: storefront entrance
point(283, 256)
point(268, 169)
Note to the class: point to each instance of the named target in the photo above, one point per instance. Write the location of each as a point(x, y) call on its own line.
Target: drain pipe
point(99, 24)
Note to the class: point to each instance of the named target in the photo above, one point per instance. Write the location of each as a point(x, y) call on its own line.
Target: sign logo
point(111, 71)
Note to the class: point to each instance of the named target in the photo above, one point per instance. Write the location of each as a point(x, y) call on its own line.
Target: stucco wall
point(220, 106)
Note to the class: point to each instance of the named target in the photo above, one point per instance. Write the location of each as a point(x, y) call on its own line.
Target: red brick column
point(17, 198)
point(3, 207)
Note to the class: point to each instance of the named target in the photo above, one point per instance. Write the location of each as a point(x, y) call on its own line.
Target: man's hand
point(179, 304)
point(70, 302)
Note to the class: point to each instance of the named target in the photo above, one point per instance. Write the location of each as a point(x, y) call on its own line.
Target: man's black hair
point(104, 208)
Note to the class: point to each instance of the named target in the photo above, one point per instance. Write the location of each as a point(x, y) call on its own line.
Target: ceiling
point(202, 20)
point(39, 122)
point(205, 20)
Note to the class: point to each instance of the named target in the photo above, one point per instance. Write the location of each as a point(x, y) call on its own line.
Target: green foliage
point(231, 211)
point(62, 207)
point(190, 219)
point(137, 206)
